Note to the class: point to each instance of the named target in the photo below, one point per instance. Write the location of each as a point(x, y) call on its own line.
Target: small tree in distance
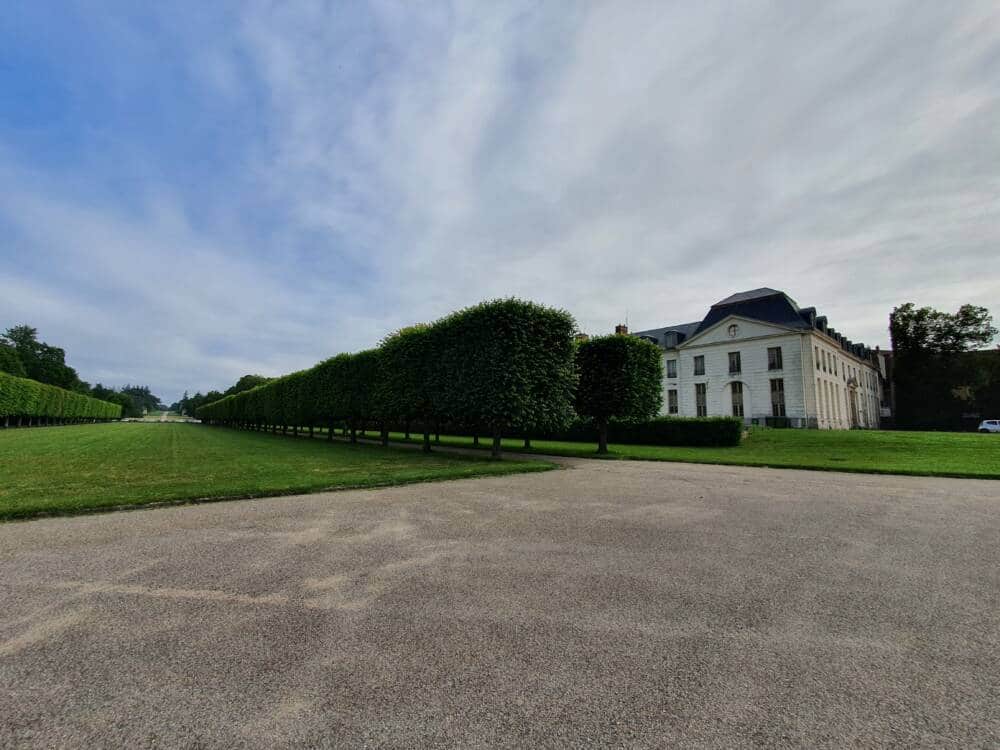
point(620, 377)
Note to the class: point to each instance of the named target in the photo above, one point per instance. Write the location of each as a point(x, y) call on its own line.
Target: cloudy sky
point(192, 191)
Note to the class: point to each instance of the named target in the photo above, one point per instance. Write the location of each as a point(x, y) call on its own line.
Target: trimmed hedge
point(21, 398)
point(496, 367)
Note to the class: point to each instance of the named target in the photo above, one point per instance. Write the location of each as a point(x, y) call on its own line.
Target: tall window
point(734, 363)
point(834, 365)
point(777, 397)
point(672, 401)
point(699, 365)
point(819, 399)
point(737, 388)
point(671, 368)
point(774, 358)
point(700, 401)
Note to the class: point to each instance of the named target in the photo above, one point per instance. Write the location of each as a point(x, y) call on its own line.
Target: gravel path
point(611, 603)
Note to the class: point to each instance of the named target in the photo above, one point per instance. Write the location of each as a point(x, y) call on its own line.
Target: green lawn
point(85, 467)
point(871, 451)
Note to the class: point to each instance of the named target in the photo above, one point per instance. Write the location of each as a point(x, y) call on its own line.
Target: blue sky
point(193, 191)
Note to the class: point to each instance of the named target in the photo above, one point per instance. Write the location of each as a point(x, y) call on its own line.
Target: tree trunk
point(527, 442)
point(329, 430)
point(310, 432)
point(354, 434)
point(407, 427)
point(475, 440)
point(496, 450)
point(427, 441)
point(602, 436)
point(385, 435)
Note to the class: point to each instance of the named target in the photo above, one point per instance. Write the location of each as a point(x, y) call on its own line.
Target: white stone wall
point(815, 389)
point(754, 375)
point(832, 369)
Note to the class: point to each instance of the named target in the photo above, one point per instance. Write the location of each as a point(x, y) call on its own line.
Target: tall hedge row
point(23, 400)
point(496, 367)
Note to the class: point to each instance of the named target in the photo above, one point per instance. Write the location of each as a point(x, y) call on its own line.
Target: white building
point(759, 356)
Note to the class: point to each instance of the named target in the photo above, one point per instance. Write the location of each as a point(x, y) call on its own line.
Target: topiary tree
point(408, 387)
point(620, 377)
point(507, 364)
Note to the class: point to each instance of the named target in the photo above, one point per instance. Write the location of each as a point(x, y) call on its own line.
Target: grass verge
point(79, 468)
point(945, 454)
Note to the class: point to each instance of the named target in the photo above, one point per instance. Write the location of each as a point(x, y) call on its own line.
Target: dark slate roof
point(732, 299)
point(685, 329)
point(767, 305)
point(764, 304)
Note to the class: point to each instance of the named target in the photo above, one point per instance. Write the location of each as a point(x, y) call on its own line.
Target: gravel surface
point(608, 604)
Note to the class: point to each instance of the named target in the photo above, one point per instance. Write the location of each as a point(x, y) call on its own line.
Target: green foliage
point(246, 383)
point(21, 397)
point(501, 365)
point(44, 363)
point(620, 377)
point(507, 365)
point(10, 362)
point(937, 375)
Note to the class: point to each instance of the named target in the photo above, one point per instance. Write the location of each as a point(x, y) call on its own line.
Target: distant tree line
point(189, 405)
point(944, 377)
point(23, 355)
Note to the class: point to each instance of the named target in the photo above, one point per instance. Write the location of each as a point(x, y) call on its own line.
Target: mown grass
point(80, 468)
point(948, 454)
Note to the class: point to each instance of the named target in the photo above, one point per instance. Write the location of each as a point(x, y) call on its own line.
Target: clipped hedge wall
point(496, 367)
point(21, 398)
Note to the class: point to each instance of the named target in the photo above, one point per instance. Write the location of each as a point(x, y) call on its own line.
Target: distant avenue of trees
point(189, 404)
point(943, 375)
point(23, 355)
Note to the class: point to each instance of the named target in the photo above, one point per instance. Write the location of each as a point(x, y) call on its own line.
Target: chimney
point(621, 329)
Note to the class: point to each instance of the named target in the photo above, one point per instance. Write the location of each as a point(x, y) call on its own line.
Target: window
point(734, 363)
point(700, 402)
point(671, 368)
point(774, 358)
point(737, 399)
point(672, 401)
point(777, 397)
point(834, 365)
point(817, 360)
point(699, 365)
point(819, 399)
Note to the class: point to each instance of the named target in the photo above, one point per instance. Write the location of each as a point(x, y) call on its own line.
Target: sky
point(194, 191)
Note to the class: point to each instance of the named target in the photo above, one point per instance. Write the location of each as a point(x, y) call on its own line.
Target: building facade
point(758, 356)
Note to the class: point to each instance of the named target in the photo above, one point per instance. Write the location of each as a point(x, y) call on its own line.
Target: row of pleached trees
point(28, 402)
point(500, 367)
